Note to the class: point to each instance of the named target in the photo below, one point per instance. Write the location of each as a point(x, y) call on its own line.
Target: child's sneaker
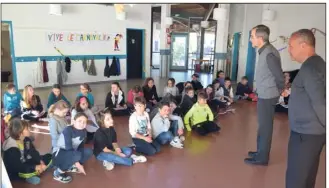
point(176, 143)
point(138, 159)
point(61, 177)
point(35, 180)
point(108, 165)
point(73, 169)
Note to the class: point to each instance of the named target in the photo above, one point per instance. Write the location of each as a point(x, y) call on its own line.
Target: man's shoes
point(252, 154)
point(253, 161)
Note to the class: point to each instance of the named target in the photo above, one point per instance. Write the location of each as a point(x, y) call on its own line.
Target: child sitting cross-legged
point(31, 106)
point(164, 131)
point(56, 95)
point(11, 100)
point(136, 91)
point(243, 90)
point(188, 100)
point(70, 149)
point(20, 157)
point(106, 148)
point(57, 120)
point(200, 117)
point(140, 129)
point(115, 101)
point(82, 105)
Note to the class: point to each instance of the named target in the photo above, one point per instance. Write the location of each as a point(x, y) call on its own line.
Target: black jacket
point(197, 85)
point(242, 89)
point(107, 68)
point(187, 104)
point(180, 87)
point(110, 100)
point(150, 94)
point(14, 161)
point(114, 70)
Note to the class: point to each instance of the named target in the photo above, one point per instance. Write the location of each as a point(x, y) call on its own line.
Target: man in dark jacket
point(269, 84)
point(307, 112)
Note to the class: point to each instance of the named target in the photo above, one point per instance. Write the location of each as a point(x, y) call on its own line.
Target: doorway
point(135, 51)
point(6, 61)
point(179, 51)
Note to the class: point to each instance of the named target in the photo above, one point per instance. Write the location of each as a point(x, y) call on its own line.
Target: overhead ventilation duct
point(55, 9)
point(204, 24)
point(196, 27)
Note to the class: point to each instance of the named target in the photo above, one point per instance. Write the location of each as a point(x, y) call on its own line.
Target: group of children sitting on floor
point(153, 122)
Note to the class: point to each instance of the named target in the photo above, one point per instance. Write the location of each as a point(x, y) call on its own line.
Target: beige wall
point(5, 58)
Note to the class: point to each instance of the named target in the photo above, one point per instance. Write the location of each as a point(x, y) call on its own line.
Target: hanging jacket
point(114, 67)
point(60, 72)
point(107, 68)
point(92, 68)
point(64, 73)
point(39, 71)
point(68, 64)
point(45, 71)
point(84, 64)
point(118, 66)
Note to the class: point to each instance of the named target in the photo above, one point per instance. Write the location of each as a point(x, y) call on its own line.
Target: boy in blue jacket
point(11, 101)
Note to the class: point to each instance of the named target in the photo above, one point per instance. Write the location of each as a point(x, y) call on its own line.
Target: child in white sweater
point(171, 88)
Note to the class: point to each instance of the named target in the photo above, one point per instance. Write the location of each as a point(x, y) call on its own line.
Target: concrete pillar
point(221, 41)
point(165, 52)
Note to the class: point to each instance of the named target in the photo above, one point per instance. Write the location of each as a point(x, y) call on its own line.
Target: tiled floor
point(205, 162)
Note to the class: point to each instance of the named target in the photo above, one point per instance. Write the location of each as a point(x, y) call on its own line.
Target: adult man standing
point(307, 112)
point(269, 84)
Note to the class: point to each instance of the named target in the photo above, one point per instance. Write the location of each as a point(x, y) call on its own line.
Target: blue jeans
point(168, 136)
point(65, 159)
point(146, 148)
point(110, 157)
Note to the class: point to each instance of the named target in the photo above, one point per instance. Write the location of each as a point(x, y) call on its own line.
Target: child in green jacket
point(200, 117)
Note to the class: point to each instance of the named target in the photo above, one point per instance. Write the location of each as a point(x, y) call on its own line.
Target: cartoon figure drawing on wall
point(116, 42)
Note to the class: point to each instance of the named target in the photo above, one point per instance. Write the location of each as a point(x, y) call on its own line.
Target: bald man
point(307, 112)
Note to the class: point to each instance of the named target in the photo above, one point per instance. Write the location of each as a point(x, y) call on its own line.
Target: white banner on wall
point(84, 38)
point(41, 42)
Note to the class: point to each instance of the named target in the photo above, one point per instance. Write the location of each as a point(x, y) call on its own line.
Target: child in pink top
point(132, 94)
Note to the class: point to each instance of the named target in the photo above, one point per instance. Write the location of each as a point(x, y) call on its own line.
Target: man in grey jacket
point(307, 112)
point(269, 84)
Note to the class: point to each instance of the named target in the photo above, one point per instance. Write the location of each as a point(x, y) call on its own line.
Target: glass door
point(179, 51)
